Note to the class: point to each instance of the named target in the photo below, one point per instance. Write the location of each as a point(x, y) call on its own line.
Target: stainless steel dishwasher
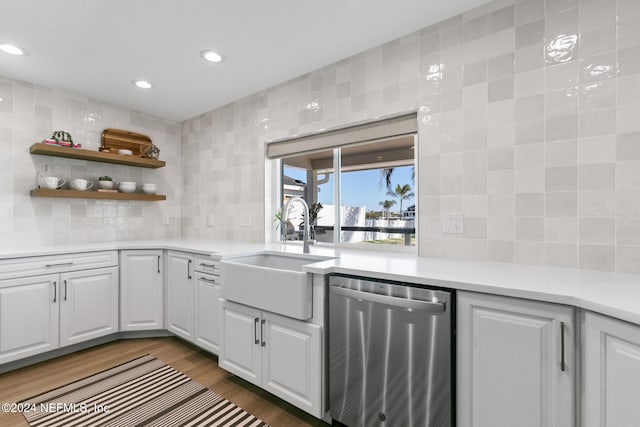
point(390, 354)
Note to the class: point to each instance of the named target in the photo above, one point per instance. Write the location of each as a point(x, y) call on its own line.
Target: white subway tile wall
point(529, 124)
point(30, 113)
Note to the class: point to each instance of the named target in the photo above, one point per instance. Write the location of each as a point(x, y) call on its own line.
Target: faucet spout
point(306, 241)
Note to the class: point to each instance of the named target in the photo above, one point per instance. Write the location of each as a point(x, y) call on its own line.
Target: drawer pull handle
point(202, 264)
point(255, 331)
point(158, 263)
point(562, 363)
point(263, 343)
point(434, 307)
point(65, 290)
point(204, 279)
point(55, 291)
point(188, 269)
point(60, 264)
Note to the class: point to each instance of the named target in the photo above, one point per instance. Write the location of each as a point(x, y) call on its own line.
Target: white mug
point(81, 184)
point(51, 182)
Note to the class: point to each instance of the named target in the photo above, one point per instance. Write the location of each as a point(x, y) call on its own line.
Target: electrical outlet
point(453, 223)
point(209, 220)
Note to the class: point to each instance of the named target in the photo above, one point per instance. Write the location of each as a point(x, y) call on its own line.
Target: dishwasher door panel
point(389, 365)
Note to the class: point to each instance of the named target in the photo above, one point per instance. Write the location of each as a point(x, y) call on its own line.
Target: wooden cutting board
point(116, 139)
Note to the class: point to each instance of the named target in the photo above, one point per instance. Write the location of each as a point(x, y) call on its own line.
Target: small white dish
point(148, 188)
point(127, 187)
point(106, 185)
point(124, 152)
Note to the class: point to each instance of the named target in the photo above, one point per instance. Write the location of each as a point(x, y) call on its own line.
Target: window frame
point(274, 168)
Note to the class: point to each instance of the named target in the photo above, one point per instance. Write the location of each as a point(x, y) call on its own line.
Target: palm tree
point(385, 177)
point(386, 173)
point(402, 192)
point(386, 205)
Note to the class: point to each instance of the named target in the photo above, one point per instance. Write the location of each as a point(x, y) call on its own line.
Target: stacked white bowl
point(127, 187)
point(148, 188)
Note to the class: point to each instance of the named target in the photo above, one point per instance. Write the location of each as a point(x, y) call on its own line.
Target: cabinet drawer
point(205, 264)
point(33, 266)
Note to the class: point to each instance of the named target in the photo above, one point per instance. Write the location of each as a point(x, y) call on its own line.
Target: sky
point(362, 188)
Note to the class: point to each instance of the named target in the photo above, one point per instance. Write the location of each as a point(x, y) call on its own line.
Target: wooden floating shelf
point(94, 156)
point(73, 194)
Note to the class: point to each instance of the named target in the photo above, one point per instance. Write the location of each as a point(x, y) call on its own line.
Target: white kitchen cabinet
point(180, 294)
point(515, 362)
point(611, 372)
point(193, 307)
point(291, 361)
point(44, 312)
point(240, 351)
point(207, 312)
point(14, 268)
point(279, 354)
point(88, 304)
point(28, 316)
point(141, 290)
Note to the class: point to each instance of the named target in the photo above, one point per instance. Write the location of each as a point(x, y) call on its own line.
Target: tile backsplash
point(30, 113)
point(529, 124)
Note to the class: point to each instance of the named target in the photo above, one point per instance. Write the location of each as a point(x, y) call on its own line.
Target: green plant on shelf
point(62, 136)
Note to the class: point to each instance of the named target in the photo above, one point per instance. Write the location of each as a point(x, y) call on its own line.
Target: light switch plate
point(453, 223)
point(209, 220)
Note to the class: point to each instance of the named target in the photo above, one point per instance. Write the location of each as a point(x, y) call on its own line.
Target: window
point(377, 192)
point(374, 201)
point(310, 177)
point(359, 183)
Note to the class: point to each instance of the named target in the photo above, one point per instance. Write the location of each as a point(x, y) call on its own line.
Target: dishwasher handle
point(434, 307)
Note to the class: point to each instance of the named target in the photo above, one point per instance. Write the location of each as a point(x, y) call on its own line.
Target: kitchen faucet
point(283, 226)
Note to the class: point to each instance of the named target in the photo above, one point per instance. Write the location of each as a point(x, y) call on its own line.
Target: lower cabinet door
point(611, 372)
point(241, 341)
point(292, 362)
point(515, 362)
point(88, 304)
point(141, 290)
point(180, 294)
point(207, 321)
point(28, 316)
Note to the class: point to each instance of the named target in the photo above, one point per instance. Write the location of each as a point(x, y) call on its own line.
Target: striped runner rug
point(142, 392)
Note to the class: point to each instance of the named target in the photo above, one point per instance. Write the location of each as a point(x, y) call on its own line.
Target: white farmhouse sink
point(270, 281)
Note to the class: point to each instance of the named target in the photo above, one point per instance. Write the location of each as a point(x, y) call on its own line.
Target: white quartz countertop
point(612, 294)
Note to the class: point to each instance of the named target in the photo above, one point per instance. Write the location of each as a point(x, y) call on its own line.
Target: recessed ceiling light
point(212, 56)
point(12, 49)
point(142, 84)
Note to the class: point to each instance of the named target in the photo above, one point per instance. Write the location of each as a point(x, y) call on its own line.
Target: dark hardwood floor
point(197, 364)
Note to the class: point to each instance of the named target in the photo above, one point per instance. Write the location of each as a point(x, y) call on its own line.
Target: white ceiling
point(97, 47)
